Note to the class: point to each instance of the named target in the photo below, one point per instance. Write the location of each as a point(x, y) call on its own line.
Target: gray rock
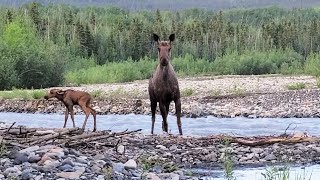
point(130, 164)
point(157, 169)
point(34, 158)
point(26, 175)
point(29, 149)
point(161, 147)
point(67, 161)
point(11, 170)
point(66, 168)
point(117, 167)
point(169, 176)
point(75, 152)
point(20, 158)
point(82, 159)
point(96, 169)
point(270, 157)
point(98, 157)
point(121, 149)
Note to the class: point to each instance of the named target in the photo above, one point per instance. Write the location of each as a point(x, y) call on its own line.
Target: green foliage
point(313, 65)
point(227, 161)
point(44, 46)
point(296, 86)
point(113, 72)
point(22, 94)
point(283, 173)
point(187, 92)
point(253, 62)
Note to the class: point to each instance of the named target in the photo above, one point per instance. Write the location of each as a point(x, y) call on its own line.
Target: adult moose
point(163, 85)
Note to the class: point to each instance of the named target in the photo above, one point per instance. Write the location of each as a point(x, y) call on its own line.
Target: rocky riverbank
point(139, 156)
point(226, 96)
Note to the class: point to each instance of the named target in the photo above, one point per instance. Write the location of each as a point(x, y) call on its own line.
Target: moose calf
point(71, 98)
point(163, 85)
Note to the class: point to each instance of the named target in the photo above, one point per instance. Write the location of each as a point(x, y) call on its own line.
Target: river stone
point(270, 157)
point(26, 175)
point(75, 152)
point(68, 161)
point(72, 175)
point(14, 169)
point(29, 149)
point(130, 164)
point(20, 158)
point(151, 176)
point(121, 149)
point(66, 168)
point(162, 147)
point(117, 167)
point(169, 176)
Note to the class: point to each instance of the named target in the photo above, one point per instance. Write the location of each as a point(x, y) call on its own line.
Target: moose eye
point(159, 49)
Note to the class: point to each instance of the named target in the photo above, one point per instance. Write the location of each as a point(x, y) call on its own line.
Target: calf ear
point(61, 92)
point(172, 37)
point(156, 38)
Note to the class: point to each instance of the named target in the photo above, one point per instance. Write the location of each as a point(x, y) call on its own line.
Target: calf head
point(57, 93)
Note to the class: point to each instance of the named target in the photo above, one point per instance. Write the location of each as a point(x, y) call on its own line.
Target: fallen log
point(85, 141)
point(262, 142)
point(38, 140)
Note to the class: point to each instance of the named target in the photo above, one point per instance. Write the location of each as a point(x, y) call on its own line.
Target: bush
point(26, 62)
point(312, 65)
point(254, 62)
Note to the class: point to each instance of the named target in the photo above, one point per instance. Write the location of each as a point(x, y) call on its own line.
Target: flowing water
point(193, 127)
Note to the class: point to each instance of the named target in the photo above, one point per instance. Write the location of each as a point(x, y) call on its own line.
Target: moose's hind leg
point(178, 114)
point(153, 114)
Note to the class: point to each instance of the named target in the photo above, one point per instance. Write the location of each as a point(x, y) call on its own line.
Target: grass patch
point(237, 90)
point(187, 92)
point(23, 94)
point(227, 161)
point(283, 173)
point(216, 92)
point(3, 148)
point(296, 86)
point(97, 93)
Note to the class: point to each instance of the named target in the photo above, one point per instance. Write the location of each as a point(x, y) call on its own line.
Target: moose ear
point(156, 37)
point(172, 37)
point(61, 92)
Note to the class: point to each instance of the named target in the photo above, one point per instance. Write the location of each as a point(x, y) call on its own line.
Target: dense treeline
point(175, 4)
point(39, 44)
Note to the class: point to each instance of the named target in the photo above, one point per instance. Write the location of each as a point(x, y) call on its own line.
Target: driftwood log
point(24, 137)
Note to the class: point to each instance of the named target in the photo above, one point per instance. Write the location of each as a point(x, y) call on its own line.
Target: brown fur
point(163, 85)
point(71, 98)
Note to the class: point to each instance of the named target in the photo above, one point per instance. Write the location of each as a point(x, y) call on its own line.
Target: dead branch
point(11, 126)
point(34, 141)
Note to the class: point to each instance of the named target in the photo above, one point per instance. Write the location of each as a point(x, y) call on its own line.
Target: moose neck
point(165, 71)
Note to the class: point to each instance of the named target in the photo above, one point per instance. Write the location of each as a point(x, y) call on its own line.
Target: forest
point(56, 44)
